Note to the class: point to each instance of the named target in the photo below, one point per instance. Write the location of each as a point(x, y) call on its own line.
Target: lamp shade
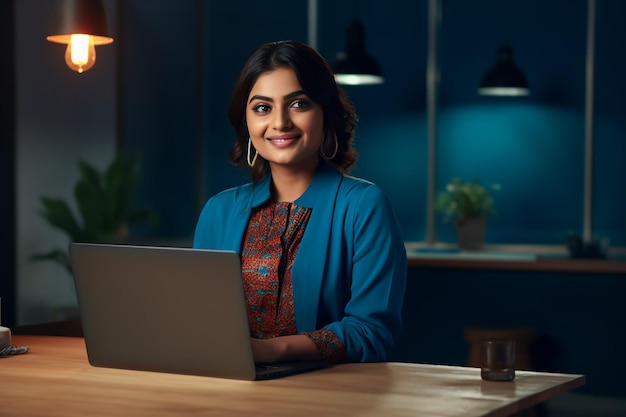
point(504, 78)
point(355, 66)
point(85, 17)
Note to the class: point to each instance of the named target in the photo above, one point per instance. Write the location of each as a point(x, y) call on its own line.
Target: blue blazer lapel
point(312, 257)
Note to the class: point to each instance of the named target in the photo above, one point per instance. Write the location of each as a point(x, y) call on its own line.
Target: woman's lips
point(282, 141)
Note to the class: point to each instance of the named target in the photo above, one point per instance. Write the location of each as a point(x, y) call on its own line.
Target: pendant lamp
point(504, 78)
point(81, 24)
point(355, 66)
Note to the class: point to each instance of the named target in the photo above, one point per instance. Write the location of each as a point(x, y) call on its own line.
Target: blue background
point(180, 62)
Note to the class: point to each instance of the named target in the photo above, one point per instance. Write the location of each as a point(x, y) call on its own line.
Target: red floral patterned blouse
point(272, 240)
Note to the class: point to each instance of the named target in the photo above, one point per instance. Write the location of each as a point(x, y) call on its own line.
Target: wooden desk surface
point(55, 379)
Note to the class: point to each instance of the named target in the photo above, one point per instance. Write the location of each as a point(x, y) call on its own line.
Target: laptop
point(173, 310)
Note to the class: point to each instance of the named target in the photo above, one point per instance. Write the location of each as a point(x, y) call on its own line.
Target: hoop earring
point(256, 153)
point(336, 147)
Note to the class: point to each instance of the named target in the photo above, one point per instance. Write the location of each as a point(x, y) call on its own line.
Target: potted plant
point(468, 204)
point(105, 207)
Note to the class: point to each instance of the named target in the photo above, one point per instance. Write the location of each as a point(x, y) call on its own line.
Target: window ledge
point(526, 258)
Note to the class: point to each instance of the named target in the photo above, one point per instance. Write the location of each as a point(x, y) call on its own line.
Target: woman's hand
point(266, 350)
point(284, 348)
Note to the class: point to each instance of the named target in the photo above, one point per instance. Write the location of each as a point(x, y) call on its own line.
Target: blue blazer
point(349, 274)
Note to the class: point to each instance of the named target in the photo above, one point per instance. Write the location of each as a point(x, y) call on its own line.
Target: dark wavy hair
point(317, 81)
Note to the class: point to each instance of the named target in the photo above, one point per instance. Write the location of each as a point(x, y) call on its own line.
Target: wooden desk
point(55, 379)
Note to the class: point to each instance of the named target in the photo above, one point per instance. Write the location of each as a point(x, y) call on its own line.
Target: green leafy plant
point(105, 207)
point(463, 200)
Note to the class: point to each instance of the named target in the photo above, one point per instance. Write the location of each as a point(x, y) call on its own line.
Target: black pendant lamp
point(355, 66)
point(504, 78)
point(81, 24)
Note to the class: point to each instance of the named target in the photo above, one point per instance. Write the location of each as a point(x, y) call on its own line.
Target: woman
point(323, 263)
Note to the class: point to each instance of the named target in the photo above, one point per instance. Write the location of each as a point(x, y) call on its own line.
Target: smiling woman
point(310, 87)
point(317, 247)
point(286, 129)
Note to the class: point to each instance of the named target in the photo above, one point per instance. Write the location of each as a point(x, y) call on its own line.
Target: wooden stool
point(523, 338)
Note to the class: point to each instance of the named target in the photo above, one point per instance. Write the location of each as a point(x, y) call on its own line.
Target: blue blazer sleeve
point(349, 275)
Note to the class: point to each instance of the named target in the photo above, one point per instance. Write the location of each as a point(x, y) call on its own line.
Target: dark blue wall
point(158, 115)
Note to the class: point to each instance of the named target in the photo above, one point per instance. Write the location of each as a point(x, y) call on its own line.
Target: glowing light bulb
point(80, 54)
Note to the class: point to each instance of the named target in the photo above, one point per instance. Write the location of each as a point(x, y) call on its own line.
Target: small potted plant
point(468, 204)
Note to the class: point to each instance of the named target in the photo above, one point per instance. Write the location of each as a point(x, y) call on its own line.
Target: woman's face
point(286, 127)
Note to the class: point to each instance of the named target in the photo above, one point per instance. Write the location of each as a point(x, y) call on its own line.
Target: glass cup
point(497, 360)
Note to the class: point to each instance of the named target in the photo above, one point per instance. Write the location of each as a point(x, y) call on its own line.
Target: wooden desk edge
point(533, 400)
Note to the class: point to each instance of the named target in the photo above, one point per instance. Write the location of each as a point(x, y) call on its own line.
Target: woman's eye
point(261, 108)
point(300, 104)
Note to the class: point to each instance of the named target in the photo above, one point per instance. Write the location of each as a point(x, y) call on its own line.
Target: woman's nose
point(282, 120)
